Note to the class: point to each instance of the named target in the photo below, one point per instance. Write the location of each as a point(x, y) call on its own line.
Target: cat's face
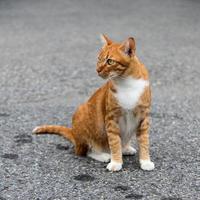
point(114, 58)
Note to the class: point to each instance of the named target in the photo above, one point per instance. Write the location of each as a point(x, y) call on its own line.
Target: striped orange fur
point(102, 128)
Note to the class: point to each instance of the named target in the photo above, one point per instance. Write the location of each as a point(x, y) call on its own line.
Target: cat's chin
point(104, 77)
point(117, 78)
point(113, 77)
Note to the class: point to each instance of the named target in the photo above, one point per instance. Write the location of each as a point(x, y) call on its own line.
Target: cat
point(102, 128)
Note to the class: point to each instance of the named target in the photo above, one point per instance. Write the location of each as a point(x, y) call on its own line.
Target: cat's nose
point(99, 70)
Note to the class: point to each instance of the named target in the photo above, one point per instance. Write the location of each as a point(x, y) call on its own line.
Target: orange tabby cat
point(102, 127)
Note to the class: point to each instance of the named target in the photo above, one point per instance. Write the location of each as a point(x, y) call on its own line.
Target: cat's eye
point(110, 62)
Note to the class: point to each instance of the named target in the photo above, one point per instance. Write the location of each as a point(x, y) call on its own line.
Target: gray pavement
point(47, 67)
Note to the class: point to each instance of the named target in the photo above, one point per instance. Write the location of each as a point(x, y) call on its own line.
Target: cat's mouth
point(103, 76)
point(106, 74)
point(113, 76)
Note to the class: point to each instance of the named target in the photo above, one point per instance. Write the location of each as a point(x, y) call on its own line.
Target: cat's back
point(94, 108)
point(100, 94)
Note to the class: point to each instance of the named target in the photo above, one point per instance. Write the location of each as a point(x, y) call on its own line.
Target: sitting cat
point(102, 127)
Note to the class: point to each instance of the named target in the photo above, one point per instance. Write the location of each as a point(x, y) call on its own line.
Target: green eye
point(110, 61)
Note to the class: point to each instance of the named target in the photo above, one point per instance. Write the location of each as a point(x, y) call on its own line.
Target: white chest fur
point(128, 124)
point(129, 91)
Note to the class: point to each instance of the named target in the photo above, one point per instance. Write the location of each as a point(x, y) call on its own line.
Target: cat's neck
point(136, 70)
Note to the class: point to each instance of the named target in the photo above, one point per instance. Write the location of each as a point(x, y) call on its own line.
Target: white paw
point(100, 156)
point(147, 165)
point(128, 151)
point(114, 166)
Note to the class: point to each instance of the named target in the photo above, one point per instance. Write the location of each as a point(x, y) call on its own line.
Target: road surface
point(48, 53)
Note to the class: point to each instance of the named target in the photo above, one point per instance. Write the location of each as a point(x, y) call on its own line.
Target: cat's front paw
point(114, 166)
point(147, 165)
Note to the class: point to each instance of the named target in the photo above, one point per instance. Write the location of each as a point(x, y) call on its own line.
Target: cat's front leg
point(114, 140)
point(143, 142)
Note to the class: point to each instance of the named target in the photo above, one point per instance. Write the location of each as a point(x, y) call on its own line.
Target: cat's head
point(114, 58)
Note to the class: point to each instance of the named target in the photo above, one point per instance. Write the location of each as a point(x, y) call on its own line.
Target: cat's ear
point(105, 40)
point(128, 47)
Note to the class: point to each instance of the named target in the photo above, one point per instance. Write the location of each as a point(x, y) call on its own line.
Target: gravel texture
point(47, 67)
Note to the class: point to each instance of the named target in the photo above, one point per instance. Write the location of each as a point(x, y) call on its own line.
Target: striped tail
point(59, 130)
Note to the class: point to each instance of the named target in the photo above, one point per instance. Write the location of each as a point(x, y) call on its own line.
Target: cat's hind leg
point(81, 149)
point(128, 151)
point(100, 156)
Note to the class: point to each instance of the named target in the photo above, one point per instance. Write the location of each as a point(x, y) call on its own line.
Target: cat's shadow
point(131, 163)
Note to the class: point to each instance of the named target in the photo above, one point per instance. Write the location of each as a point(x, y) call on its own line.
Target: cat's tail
point(53, 129)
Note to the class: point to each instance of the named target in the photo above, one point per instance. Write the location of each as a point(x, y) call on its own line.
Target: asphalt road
point(47, 67)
